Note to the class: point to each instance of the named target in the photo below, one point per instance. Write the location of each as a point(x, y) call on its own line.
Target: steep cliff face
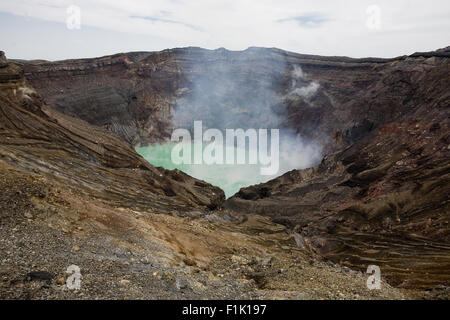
point(332, 100)
point(75, 194)
point(380, 196)
point(385, 198)
point(35, 137)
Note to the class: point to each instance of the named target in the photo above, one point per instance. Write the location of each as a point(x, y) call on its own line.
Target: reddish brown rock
point(134, 94)
point(37, 138)
point(384, 199)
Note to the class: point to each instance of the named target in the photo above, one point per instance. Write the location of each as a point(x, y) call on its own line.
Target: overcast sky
point(47, 29)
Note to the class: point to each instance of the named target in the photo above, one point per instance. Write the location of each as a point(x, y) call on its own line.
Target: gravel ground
point(124, 254)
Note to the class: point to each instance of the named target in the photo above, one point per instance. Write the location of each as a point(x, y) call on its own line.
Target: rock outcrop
point(3, 60)
point(76, 197)
point(135, 94)
point(36, 137)
point(380, 195)
point(386, 197)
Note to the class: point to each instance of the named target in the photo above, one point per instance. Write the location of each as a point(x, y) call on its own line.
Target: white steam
point(230, 94)
point(300, 86)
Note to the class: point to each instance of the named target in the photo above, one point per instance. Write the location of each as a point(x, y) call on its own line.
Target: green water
point(230, 178)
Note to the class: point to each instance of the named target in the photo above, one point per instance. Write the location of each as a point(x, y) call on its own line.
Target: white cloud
point(320, 27)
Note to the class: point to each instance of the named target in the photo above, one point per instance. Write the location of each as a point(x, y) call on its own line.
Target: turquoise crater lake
point(229, 177)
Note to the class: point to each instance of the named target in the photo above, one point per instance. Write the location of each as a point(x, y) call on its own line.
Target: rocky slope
point(332, 100)
point(386, 197)
point(36, 137)
point(74, 194)
point(380, 196)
